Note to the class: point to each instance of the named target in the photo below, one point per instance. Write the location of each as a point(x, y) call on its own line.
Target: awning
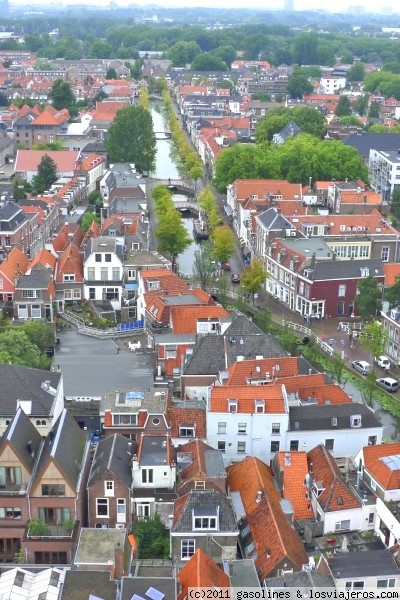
point(131, 286)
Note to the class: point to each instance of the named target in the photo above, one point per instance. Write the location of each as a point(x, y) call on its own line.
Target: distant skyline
point(298, 5)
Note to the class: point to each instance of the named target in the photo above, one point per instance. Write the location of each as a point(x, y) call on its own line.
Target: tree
point(56, 145)
point(61, 95)
point(131, 139)
point(100, 49)
point(40, 334)
point(94, 197)
point(46, 174)
point(368, 388)
point(361, 105)
point(208, 204)
point(392, 294)
point(88, 219)
point(343, 107)
point(224, 243)
point(152, 537)
point(208, 62)
point(395, 201)
point(374, 338)
point(369, 297)
point(16, 348)
point(356, 73)
point(253, 277)
point(182, 53)
point(238, 162)
point(171, 233)
point(338, 369)
point(204, 267)
point(298, 83)
point(111, 73)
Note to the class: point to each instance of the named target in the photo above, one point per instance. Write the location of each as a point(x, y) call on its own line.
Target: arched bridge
point(162, 135)
point(187, 206)
point(181, 186)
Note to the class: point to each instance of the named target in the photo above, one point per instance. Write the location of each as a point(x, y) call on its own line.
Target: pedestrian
point(387, 369)
point(350, 336)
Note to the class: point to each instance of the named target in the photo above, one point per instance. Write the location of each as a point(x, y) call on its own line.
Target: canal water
point(166, 168)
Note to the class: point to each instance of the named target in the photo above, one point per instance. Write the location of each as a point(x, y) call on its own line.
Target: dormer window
point(259, 406)
point(355, 421)
point(232, 406)
point(318, 488)
point(153, 285)
point(70, 277)
point(364, 271)
point(206, 518)
point(186, 431)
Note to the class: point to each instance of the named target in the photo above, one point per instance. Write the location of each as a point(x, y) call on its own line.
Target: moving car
point(235, 278)
point(382, 361)
point(388, 383)
point(362, 366)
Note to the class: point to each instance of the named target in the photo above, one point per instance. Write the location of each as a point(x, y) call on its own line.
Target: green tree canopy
point(88, 219)
point(374, 338)
point(239, 162)
point(343, 107)
point(392, 294)
point(253, 277)
point(224, 243)
point(369, 297)
point(111, 73)
point(395, 203)
point(182, 53)
point(40, 334)
point(204, 267)
point(131, 139)
point(208, 62)
point(62, 96)
point(356, 73)
point(171, 233)
point(16, 347)
point(308, 119)
point(298, 83)
point(46, 175)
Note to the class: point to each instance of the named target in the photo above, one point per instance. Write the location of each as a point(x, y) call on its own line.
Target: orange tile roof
point(197, 469)
point(391, 270)
point(201, 571)
point(239, 372)
point(45, 258)
point(184, 318)
point(365, 197)
point(28, 160)
point(93, 231)
point(14, 265)
point(31, 210)
point(292, 384)
point(70, 262)
point(325, 394)
point(51, 116)
point(190, 416)
point(67, 233)
point(113, 220)
point(246, 396)
point(337, 495)
point(172, 363)
point(263, 187)
point(294, 468)
point(321, 97)
point(387, 477)
point(274, 537)
point(90, 162)
point(358, 224)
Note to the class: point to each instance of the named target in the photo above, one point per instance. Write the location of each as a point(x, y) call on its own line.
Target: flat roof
point(308, 246)
point(97, 546)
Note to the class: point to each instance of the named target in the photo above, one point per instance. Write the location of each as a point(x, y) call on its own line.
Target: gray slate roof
point(208, 356)
point(11, 216)
point(272, 220)
point(65, 445)
point(37, 279)
point(309, 579)
point(310, 418)
point(103, 244)
point(376, 141)
point(346, 269)
point(206, 502)
point(82, 584)
point(24, 439)
point(113, 455)
point(26, 384)
point(363, 564)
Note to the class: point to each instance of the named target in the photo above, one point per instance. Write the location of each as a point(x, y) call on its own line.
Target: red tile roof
point(32, 210)
point(356, 223)
point(184, 318)
point(68, 232)
point(391, 270)
point(294, 468)
point(90, 162)
point(337, 495)
point(366, 197)
point(388, 476)
point(241, 371)
point(246, 396)
point(177, 416)
point(70, 262)
point(28, 160)
point(14, 265)
point(264, 187)
point(197, 469)
point(274, 537)
point(45, 258)
point(51, 116)
point(201, 571)
point(168, 281)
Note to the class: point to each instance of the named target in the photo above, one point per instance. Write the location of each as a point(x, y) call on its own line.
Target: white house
point(384, 172)
point(332, 85)
point(103, 271)
point(379, 468)
point(247, 420)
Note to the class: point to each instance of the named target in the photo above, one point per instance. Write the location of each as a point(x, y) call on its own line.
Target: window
point(97, 257)
point(259, 406)
point(221, 428)
point(372, 440)
point(110, 294)
point(104, 273)
point(108, 257)
point(36, 313)
point(294, 445)
point(69, 277)
point(10, 476)
point(10, 513)
point(116, 273)
point(205, 523)
point(232, 406)
point(275, 446)
point(242, 428)
point(102, 507)
point(329, 444)
point(221, 445)
point(147, 475)
point(131, 273)
point(55, 489)
point(276, 427)
point(186, 431)
point(143, 510)
point(199, 485)
point(121, 506)
point(342, 290)
point(91, 274)
point(340, 525)
point(132, 312)
point(187, 549)
point(109, 488)
point(385, 583)
point(241, 447)
point(385, 253)
point(125, 419)
point(92, 293)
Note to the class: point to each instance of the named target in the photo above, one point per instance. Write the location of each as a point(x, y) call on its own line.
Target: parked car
point(235, 278)
point(382, 361)
point(225, 266)
point(362, 366)
point(388, 383)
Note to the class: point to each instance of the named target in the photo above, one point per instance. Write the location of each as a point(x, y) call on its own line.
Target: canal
point(166, 168)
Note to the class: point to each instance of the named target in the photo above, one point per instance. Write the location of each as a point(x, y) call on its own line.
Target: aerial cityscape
point(200, 300)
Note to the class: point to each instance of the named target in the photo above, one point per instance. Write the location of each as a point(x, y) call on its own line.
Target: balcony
point(12, 489)
point(66, 531)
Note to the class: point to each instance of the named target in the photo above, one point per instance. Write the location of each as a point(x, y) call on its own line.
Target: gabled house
point(203, 519)
point(57, 492)
point(27, 162)
point(159, 282)
point(69, 232)
point(35, 294)
point(391, 325)
point(13, 266)
point(14, 229)
point(186, 423)
point(336, 506)
point(200, 571)
point(103, 271)
point(39, 393)
point(19, 449)
point(109, 484)
point(291, 470)
point(379, 468)
point(342, 428)
point(69, 276)
point(200, 467)
point(153, 477)
point(289, 131)
point(265, 521)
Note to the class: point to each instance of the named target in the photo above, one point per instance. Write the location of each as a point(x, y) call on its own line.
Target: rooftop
point(309, 246)
point(96, 547)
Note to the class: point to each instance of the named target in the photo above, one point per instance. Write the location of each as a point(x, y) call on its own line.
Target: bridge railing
point(308, 332)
